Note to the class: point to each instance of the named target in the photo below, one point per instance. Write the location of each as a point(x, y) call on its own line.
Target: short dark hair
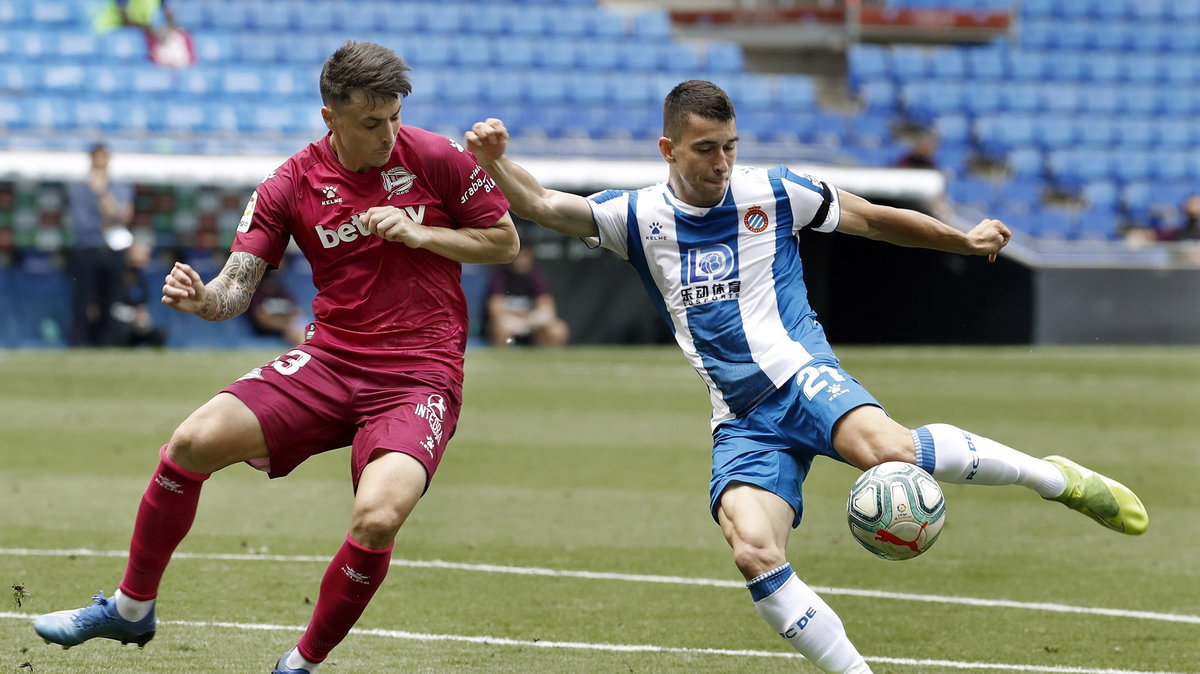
point(372, 69)
point(696, 97)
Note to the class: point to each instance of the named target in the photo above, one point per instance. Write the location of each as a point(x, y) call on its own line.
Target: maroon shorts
point(311, 400)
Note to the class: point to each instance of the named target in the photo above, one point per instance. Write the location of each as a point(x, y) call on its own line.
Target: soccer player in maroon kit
point(385, 214)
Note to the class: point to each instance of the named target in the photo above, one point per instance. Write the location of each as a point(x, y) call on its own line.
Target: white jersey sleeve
point(610, 209)
point(814, 202)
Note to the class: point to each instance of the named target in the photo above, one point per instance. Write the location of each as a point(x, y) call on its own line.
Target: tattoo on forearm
point(230, 292)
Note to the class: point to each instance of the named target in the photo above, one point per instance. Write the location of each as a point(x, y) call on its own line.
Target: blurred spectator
point(167, 43)
point(520, 308)
point(274, 312)
point(170, 45)
point(131, 320)
point(921, 152)
point(98, 210)
point(1187, 227)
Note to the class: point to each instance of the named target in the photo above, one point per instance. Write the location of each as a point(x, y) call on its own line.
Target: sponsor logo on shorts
point(434, 412)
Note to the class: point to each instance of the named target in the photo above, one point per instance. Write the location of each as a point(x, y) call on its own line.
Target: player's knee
point(871, 440)
point(754, 560)
point(375, 528)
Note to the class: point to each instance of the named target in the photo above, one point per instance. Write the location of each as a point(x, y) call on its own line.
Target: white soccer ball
point(896, 510)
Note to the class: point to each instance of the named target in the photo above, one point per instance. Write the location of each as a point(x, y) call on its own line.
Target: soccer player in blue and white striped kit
point(716, 248)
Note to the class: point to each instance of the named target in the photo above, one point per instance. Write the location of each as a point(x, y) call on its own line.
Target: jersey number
point(812, 380)
point(291, 361)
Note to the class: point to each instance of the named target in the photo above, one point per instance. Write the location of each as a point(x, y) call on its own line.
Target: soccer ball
point(896, 510)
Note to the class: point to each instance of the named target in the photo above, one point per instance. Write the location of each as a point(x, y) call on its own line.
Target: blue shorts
point(773, 445)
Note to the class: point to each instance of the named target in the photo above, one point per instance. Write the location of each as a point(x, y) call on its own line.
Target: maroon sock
point(352, 578)
point(164, 517)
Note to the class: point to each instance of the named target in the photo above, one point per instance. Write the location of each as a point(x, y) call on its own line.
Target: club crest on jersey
point(397, 180)
point(755, 219)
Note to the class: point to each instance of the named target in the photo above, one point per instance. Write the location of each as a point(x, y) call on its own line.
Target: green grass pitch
point(596, 460)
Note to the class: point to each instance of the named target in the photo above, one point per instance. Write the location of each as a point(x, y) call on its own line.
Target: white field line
point(629, 648)
point(640, 578)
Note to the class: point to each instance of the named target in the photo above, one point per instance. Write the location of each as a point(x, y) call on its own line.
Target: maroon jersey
point(377, 298)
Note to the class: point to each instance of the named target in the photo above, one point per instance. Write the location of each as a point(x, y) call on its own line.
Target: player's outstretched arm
point(560, 211)
point(904, 227)
point(224, 297)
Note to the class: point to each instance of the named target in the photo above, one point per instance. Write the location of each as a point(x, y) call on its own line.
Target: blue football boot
point(282, 668)
point(71, 628)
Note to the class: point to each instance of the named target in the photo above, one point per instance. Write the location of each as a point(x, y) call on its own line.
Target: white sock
point(799, 615)
point(297, 661)
point(132, 609)
point(951, 454)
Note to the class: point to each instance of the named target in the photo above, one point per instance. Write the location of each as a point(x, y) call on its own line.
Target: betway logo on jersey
point(355, 229)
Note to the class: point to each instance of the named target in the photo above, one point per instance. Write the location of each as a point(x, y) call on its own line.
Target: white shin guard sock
point(960, 457)
point(799, 615)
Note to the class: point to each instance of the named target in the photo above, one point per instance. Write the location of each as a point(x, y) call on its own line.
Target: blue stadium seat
point(548, 87)
point(312, 17)
point(1022, 97)
point(1099, 132)
point(571, 22)
point(1112, 37)
point(1027, 65)
point(947, 63)
point(228, 15)
point(1135, 132)
point(724, 58)
point(591, 88)
point(867, 63)
point(600, 55)
point(95, 114)
point(986, 63)
point(909, 63)
point(516, 52)
point(123, 45)
point(259, 48)
point(640, 56)
point(16, 113)
point(556, 53)
point(878, 95)
point(215, 48)
point(1066, 66)
point(1101, 194)
point(1026, 161)
point(973, 192)
point(652, 25)
point(1102, 68)
point(186, 117)
point(683, 58)
point(446, 18)
point(274, 18)
point(952, 129)
point(240, 81)
point(606, 25)
point(1151, 38)
point(1131, 165)
point(1171, 165)
point(796, 92)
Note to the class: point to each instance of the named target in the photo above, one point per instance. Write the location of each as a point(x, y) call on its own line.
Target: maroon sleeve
point(469, 194)
point(263, 229)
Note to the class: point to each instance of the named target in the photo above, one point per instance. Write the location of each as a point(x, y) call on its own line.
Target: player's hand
point(487, 140)
point(183, 289)
point(988, 237)
point(393, 224)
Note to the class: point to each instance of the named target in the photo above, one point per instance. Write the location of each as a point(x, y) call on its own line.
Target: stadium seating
point(1093, 98)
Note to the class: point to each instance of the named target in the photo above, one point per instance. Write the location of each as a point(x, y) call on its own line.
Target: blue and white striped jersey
point(728, 279)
